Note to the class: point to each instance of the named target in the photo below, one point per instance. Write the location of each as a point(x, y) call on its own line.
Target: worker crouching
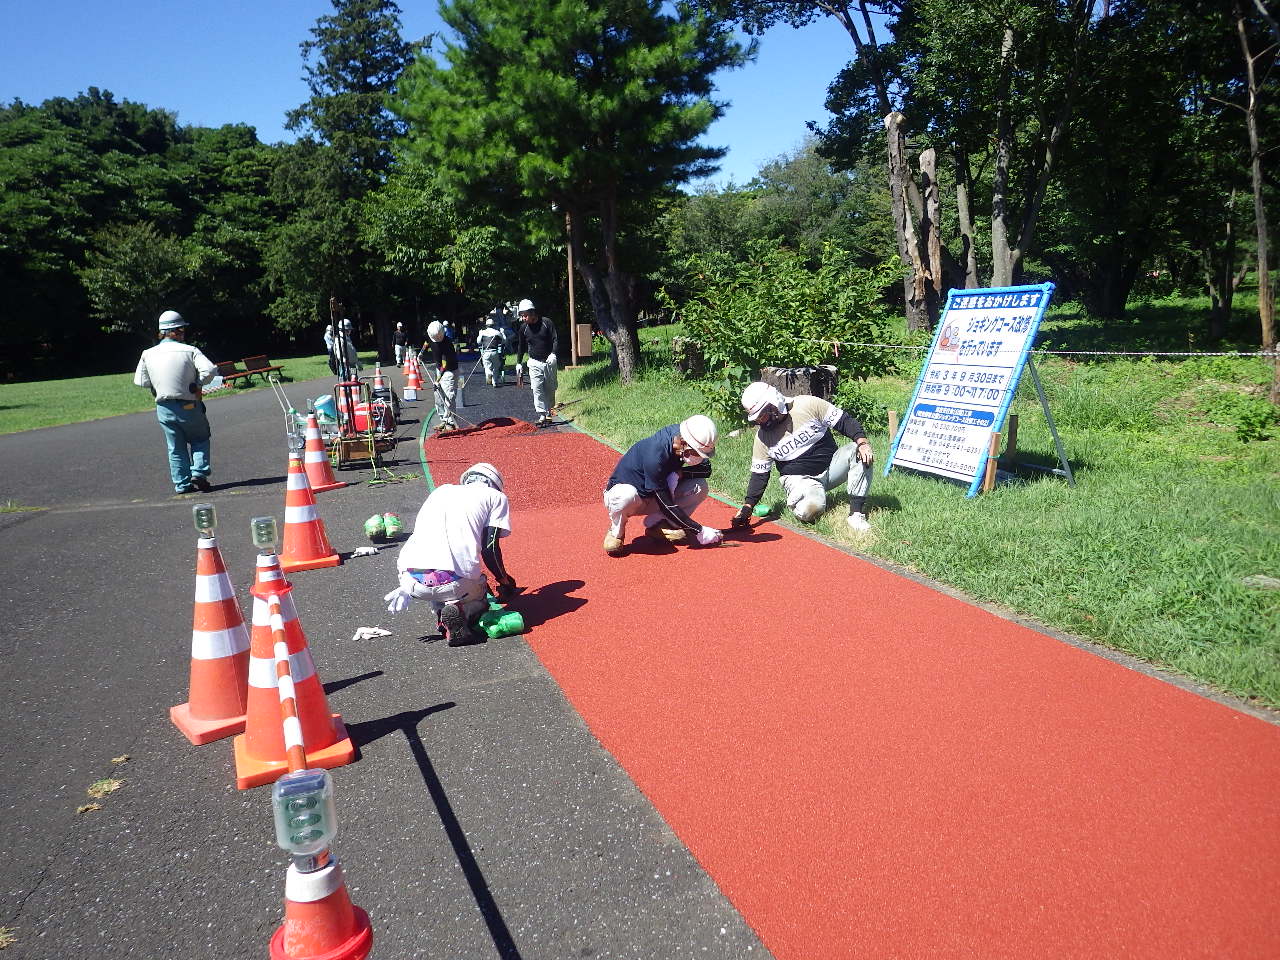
point(459, 526)
point(663, 478)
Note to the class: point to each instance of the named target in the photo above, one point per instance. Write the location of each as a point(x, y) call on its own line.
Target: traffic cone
point(268, 574)
point(316, 460)
point(306, 545)
point(320, 921)
point(219, 654)
point(260, 750)
point(412, 380)
point(379, 382)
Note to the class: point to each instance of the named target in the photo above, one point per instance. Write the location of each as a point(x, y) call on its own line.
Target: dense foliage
point(1102, 147)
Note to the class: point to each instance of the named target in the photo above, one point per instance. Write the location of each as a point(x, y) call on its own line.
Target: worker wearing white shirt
point(174, 372)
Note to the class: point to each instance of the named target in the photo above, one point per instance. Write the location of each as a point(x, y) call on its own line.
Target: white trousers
point(445, 397)
point(468, 594)
point(399, 354)
point(807, 496)
point(492, 365)
point(622, 500)
point(542, 378)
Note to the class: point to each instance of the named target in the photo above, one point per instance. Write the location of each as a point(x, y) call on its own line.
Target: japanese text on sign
point(969, 378)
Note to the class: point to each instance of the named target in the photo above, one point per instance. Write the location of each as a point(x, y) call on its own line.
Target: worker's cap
point(171, 320)
point(435, 330)
point(346, 323)
point(399, 325)
point(699, 432)
point(526, 306)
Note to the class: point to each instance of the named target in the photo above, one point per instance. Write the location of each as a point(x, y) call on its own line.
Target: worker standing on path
point(795, 434)
point(445, 358)
point(664, 478)
point(174, 371)
point(490, 342)
point(345, 350)
point(458, 526)
point(399, 339)
point(538, 338)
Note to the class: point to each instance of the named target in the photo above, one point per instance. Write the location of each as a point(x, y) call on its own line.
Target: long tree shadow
point(407, 722)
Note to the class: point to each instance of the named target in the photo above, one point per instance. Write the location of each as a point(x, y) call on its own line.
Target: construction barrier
point(306, 545)
point(215, 707)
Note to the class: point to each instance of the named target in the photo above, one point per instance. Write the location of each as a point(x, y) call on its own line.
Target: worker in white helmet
point(398, 341)
point(663, 478)
point(459, 525)
point(174, 372)
point(345, 357)
point(795, 434)
point(445, 357)
point(538, 337)
point(490, 342)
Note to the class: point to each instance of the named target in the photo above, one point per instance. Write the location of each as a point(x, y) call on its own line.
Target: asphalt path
point(481, 818)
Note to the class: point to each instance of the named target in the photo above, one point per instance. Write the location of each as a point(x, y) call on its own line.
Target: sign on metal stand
point(969, 378)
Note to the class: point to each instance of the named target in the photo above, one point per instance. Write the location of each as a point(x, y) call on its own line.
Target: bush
point(772, 310)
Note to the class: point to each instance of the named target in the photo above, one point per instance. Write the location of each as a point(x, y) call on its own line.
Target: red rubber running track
point(870, 768)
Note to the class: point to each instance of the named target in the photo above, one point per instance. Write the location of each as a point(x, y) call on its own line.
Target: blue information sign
point(969, 378)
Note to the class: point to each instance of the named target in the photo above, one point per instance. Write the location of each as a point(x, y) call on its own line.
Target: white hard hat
point(346, 323)
point(482, 473)
point(488, 320)
point(525, 306)
point(399, 325)
point(171, 320)
point(435, 331)
point(759, 395)
point(700, 433)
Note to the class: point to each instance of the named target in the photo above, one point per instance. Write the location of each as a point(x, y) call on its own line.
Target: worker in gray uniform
point(174, 372)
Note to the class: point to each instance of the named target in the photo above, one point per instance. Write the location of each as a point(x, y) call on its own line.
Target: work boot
point(456, 628)
point(613, 546)
point(665, 534)
point(202, 484)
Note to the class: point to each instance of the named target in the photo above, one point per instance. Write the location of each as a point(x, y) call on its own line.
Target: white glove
point(399, 600)
point(551, 359)
point(709, 535)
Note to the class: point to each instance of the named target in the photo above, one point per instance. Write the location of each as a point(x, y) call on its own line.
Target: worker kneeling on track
point(459, 525)
point(663, 477)
point(795, 434)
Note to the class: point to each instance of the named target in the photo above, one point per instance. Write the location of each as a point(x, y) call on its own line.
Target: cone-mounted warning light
point(205, 518)
point(306, 818)
point(264, 533)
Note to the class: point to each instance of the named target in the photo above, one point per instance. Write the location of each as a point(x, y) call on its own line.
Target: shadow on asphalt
point(407, 722)
point(255, 482)
point(333, 686)
point(548, 602)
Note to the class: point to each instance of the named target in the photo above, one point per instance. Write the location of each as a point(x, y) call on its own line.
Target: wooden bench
point(230, 373)
point(259, 365)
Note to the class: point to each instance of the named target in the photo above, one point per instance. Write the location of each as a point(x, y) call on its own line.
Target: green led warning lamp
point(205, 517)
point(263, 531)
point(306, 818)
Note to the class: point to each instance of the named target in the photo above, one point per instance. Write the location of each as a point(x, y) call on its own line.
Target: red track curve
point(870, 768)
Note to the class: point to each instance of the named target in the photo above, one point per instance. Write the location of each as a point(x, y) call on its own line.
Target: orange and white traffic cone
point(260, 751)
point(306, 545)
point(219, 654)
point(316, 459)
point(379, 382)
point(320, 921)
point(412, 379)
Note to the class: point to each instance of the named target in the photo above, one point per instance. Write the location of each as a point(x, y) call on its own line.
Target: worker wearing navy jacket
point(663, 478)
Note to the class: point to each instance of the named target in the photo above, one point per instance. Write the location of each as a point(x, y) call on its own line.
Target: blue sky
point(230, 61)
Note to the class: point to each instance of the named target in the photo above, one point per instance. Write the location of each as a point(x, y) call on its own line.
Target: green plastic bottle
point(501, 623)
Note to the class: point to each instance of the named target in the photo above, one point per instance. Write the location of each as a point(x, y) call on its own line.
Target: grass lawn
point(1148, 553)
point(48, 403)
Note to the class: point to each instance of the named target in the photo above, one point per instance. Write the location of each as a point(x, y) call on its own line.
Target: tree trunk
point(1001, 258)
point(609, 292)
point(931, 234)
point(966, 218)
point(1266, 306)
point(908, 244)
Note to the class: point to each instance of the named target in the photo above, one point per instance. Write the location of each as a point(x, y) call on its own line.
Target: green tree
point(590, 107)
